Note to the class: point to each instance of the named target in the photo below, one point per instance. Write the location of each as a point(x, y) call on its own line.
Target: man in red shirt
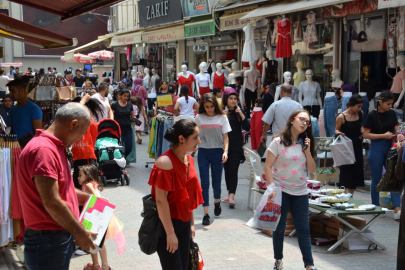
point(49, 200)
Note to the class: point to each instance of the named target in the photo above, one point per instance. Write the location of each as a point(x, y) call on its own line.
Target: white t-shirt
point(202, 80)
point(3, 83)
point(186, 108)
point(106, 107)
point(212, 130)
point(110, 89)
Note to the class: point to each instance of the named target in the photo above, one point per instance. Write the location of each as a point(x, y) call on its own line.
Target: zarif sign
point(157, 12)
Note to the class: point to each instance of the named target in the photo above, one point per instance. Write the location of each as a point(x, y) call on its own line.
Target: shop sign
point(170, 34)
point(157, 12)
point(195, 7)
point(200, 48)
point(390, 3)
point(232, 22)
point(357, 7)
point(202, 29)
point(164, 100)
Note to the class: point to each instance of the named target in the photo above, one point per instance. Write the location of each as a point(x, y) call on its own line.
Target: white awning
point(289, 7)
point(69, 55)
point(128, 39)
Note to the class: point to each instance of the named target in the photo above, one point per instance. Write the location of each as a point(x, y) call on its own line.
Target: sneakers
point(232, 204)
point(206, 220)
point(278, 265)
point(397, 215)
point(218, 209)
point(81, 252)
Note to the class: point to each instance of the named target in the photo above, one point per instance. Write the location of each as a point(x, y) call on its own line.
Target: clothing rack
point(9, 137)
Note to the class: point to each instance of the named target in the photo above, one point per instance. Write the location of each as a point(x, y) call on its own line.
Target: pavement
point(227, 243)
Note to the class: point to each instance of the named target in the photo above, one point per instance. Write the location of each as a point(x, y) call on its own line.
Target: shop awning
point(128, 39)
point(33, 35)
point(163, 35)
point(65, 8)
point(69, 55)
point(288, 7)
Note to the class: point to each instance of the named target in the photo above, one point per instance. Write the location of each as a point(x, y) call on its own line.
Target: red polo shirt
point(44, 155)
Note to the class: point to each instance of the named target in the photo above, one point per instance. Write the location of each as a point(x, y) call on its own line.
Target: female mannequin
point(218, 80)
point(231, 80)
point(311, 91)
point(287, 79)
point(234, 68)
point(203, 80)
point(336, 83)
point(249, 89)
point(270, 71)
point(186, 79)
point(155, 77)
point(260, 61)
point(299, 76)
point(146, 80)
point(398, 86)
point(134, 76)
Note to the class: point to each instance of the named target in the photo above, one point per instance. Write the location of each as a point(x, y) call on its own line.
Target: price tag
point(164, 100)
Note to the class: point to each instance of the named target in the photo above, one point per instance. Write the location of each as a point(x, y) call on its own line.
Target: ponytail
point(184, 90)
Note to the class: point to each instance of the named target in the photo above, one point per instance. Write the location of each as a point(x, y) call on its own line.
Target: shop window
point(195, 55)
point(169, 65)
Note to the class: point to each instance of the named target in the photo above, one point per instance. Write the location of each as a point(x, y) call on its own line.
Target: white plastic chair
point(254, 177)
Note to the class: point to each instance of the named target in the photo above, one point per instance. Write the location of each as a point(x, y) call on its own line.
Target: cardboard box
point(332, 231)
point(354, 220)
point(356, 245)
point(356, 237)
point(325, 178)
point(317, 227)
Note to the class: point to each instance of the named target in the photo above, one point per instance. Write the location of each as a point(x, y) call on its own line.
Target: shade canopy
point(102, 55)
point(102, 41)
point(17, 64)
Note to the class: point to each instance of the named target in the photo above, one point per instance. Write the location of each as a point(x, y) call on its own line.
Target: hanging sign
point(164, 100)
point(195, 8)
point(390, 3)
point(157, 12)
point(351, 8)
point(202, 29)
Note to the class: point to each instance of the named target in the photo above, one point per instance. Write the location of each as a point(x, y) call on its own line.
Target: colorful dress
point(311, 35)
point(142, 119)
point(188, 82)
point(271, 72)
point(284, 47)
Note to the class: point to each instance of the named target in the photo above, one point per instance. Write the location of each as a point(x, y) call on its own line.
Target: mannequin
point(311, 92)
point(134, 75)
point(203, 80)
point(188, 71)
point(270, 70)
point(399, 81)
point(234, 68)
point(299, 76)
point(367, 84)
point(249, 89)
point(260, 61)
point(146, 80)
point(336, 82)
point(218, 80)
point(186, 78)
point(287, 79)
point(231, 80)
point(155, 77)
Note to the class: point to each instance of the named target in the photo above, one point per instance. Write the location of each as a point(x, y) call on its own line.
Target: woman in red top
point(177, 193)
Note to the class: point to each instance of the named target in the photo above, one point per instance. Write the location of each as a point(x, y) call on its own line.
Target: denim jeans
point(377, 158)
point(329, 115)
point(315, 127)
point(159, 140)
point(299, 207)
point(48, 251)
point(344, 103)
point(166, 144)
point(205, 158)
point(127, 140)
point(364, 108)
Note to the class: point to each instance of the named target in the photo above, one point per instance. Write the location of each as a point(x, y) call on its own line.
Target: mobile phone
point(304, 146)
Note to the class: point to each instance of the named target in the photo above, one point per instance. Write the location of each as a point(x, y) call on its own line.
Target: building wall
point(126, 18)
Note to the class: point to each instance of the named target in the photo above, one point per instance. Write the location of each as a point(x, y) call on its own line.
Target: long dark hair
point(383, 97)
point(209, 97)
point(184, 127)
point(91, 173)
point(184, 90)
point(95, 107)
point(355, 100)
point(286, 134)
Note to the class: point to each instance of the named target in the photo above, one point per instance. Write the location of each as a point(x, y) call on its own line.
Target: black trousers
point(401, 241)
point(76, 164)
point(231, 168)
point(179, 259)
point(250, 98)
point(313, 110)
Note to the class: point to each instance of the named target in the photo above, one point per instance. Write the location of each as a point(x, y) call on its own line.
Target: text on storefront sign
point(202, 29)
point(157, 10)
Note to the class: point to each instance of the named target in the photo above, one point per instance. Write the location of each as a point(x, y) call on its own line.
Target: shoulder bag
point(193, 257)
point(66, 93)
point(46, 91)
point(394, 178)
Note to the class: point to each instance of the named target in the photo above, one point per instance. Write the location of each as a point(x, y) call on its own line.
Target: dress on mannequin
point(219, 81)
point(187, 81)
point(274, 37)
point(203, 82)
point(271, 75)
point(310, 102)
point(249, 48)
point(284, 48)
point(252, 76)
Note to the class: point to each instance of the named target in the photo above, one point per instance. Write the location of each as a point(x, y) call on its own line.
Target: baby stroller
point(110, 153)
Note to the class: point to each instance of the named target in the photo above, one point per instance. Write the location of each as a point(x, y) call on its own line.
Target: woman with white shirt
point(289, 157)
point(185, 104)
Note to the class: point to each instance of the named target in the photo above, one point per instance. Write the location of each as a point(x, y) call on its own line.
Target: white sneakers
point(278, 265)
point(397, 215)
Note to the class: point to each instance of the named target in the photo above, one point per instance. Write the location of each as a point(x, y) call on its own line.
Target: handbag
point(67, 93)
point(393, 179)
point(193, 258)
point(151, 227)
point(137, 121)
point(261, 149)
point(45, 91)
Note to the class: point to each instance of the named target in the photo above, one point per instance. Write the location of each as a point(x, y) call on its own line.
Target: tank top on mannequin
point(219, 81)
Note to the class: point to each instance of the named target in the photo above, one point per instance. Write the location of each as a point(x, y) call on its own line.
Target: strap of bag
point(188, 166)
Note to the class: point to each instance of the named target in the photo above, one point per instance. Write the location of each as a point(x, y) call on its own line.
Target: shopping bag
point(267, 214)
point(342, 151)
point(262, 149)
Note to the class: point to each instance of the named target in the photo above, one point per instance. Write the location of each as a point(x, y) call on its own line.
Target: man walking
point(48, 197)
point(101, 96)
point(279, 112)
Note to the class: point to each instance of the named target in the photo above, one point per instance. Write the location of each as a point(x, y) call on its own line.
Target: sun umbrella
point(102, 55)
point(76, 56)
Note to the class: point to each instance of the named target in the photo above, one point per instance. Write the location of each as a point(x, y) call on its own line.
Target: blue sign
point(195, 7)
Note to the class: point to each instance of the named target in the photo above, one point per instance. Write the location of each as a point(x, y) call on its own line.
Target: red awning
point(67, 9)
point(33, 35)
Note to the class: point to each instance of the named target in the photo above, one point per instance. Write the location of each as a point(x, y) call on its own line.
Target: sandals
point(139, 141)
point(107, 267)
point(226, 199)
point(90, 266)
point(232, 203)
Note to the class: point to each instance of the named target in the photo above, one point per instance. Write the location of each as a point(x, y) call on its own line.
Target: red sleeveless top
point(219, 81)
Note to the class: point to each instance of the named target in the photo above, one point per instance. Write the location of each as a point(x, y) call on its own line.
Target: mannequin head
point(287, 77)
point(184, 68)
point(366, 71)
point(299, 65)
point(309, 74)
point(335, 74)
point(252, 64)
point(218, 66)
point(203, 67)
point(146, 71)
point(185, 63)
point(259, 54)
point(401, 60)
point(154, 72)
point(269, 53)
point(234, 66)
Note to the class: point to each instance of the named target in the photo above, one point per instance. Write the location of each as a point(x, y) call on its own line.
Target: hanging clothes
point(267, 43)
point(292, 30)
point(249, 49)
point(271, 75)
point(274, 37)
point(298, 33)
point(311, 35)
point(284, 46)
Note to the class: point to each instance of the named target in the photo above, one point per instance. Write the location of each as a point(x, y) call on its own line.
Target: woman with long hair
point(185, 104)
point(139, 112)
point(213, 151)
point(236, 156)
point(172, 90)
point(177, 192)
point(289, 156)
point(162, 90)
point(349, 124)
point(380, 127)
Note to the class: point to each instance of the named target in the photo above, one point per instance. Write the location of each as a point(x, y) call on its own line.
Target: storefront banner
point(164, 35)
point(195, 7)
point(353, 8)
point(158, 12)
point(202, 29)
point(390, 3)
point(126, 39)
point(232, 22)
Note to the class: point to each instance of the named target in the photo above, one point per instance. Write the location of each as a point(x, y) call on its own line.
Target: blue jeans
point(315, 127)
point(377, 158)
point(166, 144)
point(126, 135)
point(159, 139)
point(365, 108)
point(48, 251)
point(344, 103)
point(329, 115)
point(205, 158)
point(299, 207)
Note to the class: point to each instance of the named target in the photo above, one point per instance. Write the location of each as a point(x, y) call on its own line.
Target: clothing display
point(252, 76)
point(271, 72)
point(219, 81)
point(256, 127)
point(284, 46)
point(310, 92)
point(249, 48)
point(274, 37)
point(311, 35)
point(267, 43)
point(259, 67)
point(315, 127)
point(203, 81)
point(188, 82)
point(298, 33)
point(313, 110)
point(298, 78)
point(250, 98)
point(157, 143)
point(352, 176)
point(329, 115)
point(397, 84)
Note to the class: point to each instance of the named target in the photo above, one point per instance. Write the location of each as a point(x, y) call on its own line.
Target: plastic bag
point(114, 230)
point(267, 214)
point(342, 151)
point(200, 261)
point(385, 200)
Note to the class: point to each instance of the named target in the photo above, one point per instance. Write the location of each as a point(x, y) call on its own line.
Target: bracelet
point(225, 150)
